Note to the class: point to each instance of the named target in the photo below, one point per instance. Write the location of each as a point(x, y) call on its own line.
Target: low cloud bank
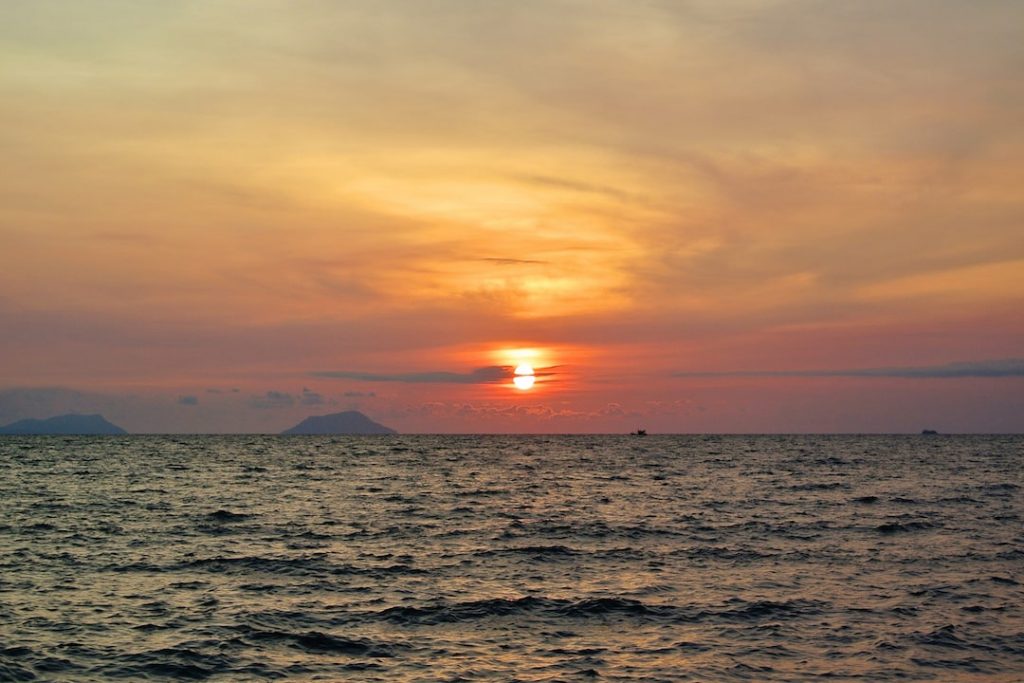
point(485, 375)
point(1009, 367)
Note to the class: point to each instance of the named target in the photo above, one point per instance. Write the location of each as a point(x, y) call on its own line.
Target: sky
point(685, 216)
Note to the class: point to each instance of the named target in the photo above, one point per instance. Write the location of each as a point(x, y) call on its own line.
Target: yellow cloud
point(988, 282)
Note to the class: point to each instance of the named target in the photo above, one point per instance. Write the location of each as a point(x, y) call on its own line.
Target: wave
point(824, 486)
point(1003, 486)
point(592, 529)
point(286, 566)
point(292, 566)
point(320, 642)
point(900, 527)
point(770, 609)
point(10, 671)
point(944, 636)
point(227, 516)
point(866, 500)
point(537, 552)
point(558, 608)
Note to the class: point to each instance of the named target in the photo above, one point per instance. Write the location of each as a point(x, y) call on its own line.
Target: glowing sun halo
point(523, 378)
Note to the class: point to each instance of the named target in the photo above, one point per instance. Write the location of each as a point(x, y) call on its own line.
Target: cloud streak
point(490, 374)
point(1009, 367)
point(272, 399)
point(486, 375)
point(308, 397)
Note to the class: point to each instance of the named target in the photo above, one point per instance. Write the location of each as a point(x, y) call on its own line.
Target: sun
point(523, 376)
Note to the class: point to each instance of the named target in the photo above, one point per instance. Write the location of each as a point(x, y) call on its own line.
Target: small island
point(348, 422)
point(64, 424)
point(928, 432)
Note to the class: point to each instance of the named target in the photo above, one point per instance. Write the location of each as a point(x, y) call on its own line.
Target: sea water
point(512, 558)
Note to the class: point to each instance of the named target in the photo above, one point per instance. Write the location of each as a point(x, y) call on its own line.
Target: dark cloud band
point(485, 375)
point(1010, 367)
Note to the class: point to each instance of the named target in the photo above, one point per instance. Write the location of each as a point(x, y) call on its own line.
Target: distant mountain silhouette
point(63, 424)
point(348, 422)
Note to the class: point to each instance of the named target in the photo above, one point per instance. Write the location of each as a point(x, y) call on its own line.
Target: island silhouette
point(347, 422)
point(64, 424)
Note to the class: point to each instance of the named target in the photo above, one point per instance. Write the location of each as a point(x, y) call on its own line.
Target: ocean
point(512, 558)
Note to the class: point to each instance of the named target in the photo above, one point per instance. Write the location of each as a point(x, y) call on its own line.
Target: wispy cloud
point(308, 397)
point(1009, 367)
point(512, 261)
point(484, 375)
point(272, 399)
point(582, 187)
point(490, 374)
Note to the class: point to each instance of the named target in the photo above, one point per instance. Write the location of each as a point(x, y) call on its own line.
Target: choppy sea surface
point(512, 558)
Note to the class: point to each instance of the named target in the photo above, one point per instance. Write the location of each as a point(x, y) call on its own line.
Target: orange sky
point(701, 216)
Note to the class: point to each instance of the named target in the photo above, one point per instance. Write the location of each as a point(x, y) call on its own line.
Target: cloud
point(311, 398)
point(1009, 367)
point(188, 400)
point(516, 412)
point(129, 238)
point(272, 399)
point(42, 402)
point(485, 375)
point(360, 394)
point(584, 188)
point(513, 261)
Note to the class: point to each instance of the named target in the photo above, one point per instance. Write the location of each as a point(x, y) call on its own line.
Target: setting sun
point(524, 377)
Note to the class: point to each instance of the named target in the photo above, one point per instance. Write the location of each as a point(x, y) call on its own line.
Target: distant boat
point(928, 432)
point(639, 432)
